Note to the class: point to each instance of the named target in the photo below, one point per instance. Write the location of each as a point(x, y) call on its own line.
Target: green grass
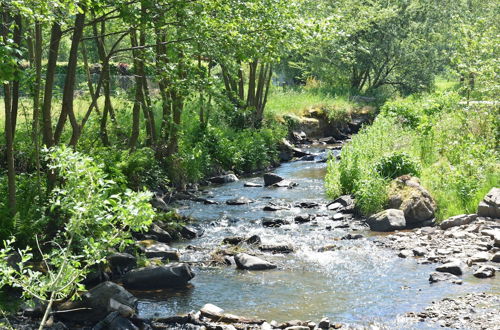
point(454, 146)
point(299, 102)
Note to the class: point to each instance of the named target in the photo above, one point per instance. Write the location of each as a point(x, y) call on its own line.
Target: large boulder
point(271, 178)
point(246, 261)
point(160, 277)
point(458, 220)
point(387, 220)
point(406, 194)
point(490, 205)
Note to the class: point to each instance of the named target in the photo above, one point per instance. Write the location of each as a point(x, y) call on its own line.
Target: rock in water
point(454, 267)
point(239, 201)
point(270, 222)
point(246, 261)
point(161, 250)
point(458, 220)
point(271, 178)
point(161, 277)
point(388, 220)
point(490, 205)
point(408, 195)
point(303, 218)
point(485, 272)
point(228, 178)
point(120, 263)
point(252, 185)
point(276, 248)
point(444, 277)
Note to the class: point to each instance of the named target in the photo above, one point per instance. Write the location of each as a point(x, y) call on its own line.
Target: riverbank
point(318, 253)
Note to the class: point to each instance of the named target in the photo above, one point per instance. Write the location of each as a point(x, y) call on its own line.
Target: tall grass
point(454, 146)
point(299, 102)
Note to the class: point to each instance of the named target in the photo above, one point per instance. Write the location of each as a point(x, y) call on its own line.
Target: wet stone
point(303, 218)
point(239, 201)
point(485, 272)
point(270, 222)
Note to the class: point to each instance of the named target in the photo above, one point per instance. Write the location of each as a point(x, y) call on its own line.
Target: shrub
point(94, 219)
point(397, 164)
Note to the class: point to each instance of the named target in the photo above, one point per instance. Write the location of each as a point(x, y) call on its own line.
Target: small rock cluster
point(462, 246)
point(471, 311)
point(212, 317)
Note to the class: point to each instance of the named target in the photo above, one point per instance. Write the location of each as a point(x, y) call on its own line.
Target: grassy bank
point(451, 147)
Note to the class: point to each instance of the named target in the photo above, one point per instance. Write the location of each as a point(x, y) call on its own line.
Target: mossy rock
point(406, 194)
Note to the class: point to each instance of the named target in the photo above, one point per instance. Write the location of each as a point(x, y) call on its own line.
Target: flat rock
point(252, 185)
point(246, 261)
point(458, 220)
point(163, 251)
point(444, 277)
point(239, 201)
point(480, 257)
point(485, 272)
point(307, 205)
point(228, 178)
point(454, 267)
point(276, 248)
point(388, 220)
point(272, 207)
point(270, 222)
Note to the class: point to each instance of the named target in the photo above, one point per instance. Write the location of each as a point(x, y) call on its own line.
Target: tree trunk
point(9, 135)
point(37, 62)
point(252, 84)
point(69, 84)
point(138, 99)
point(55, 38)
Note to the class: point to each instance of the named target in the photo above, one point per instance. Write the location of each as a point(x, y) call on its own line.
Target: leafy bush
point(94, 219)
point(397, 164)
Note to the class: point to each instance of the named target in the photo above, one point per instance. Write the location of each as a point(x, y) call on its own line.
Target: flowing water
point(358, 283)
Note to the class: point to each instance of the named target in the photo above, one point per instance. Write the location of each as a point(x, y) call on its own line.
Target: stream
point(358, 283)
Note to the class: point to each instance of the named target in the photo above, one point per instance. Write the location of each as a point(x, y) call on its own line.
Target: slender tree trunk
point(37, 62)
point(55, 38)
point(9, 135)
point(252, 84)
point(15, 83)
point(162, 60)
point(138, 99)
point(69, 84)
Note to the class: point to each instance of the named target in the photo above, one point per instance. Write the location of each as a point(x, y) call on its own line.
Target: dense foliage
point(105, 101)
point(450, 146)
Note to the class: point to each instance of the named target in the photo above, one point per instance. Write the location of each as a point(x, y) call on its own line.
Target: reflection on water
point(357, 283)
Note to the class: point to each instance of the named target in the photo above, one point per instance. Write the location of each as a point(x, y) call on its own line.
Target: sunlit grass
point(299, 102)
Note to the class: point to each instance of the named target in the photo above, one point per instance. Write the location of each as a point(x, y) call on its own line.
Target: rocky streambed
point(268, 253)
